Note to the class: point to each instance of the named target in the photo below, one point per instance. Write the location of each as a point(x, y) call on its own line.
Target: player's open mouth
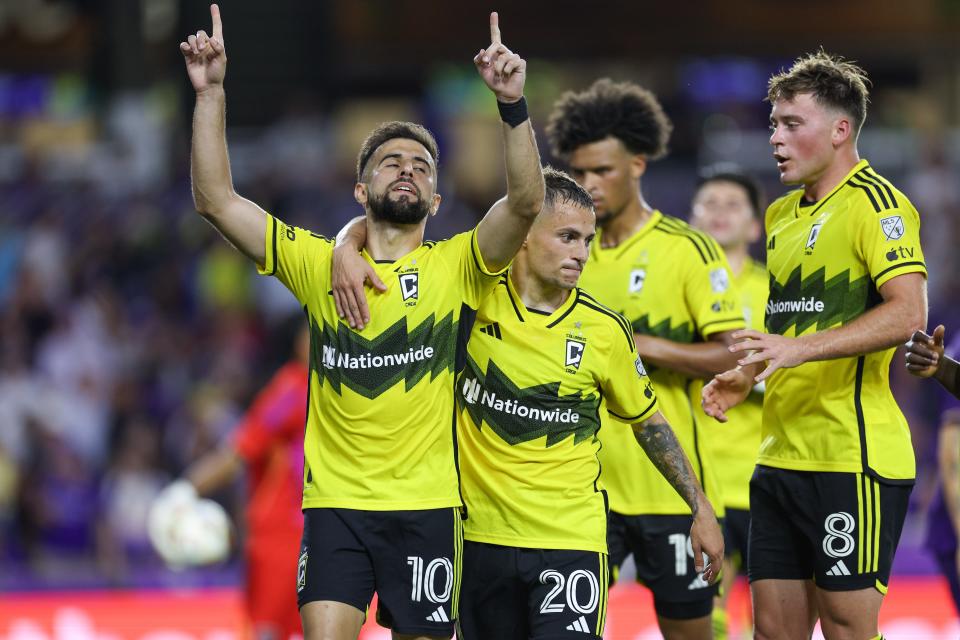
point(781, 160)
point(406, 187)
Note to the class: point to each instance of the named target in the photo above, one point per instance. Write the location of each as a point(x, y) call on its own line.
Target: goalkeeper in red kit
point(268, 443)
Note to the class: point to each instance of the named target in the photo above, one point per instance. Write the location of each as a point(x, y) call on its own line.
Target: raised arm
point(660, 444)
point(241, 222)
point(503, 230)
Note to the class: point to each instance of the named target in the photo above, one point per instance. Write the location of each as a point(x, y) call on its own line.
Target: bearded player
point(381, 494)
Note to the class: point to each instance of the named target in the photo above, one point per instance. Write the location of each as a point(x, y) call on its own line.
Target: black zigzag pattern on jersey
point(520, 415)
point(683, 332)
point(341, 357)
point(706, 246)
point(793, 303)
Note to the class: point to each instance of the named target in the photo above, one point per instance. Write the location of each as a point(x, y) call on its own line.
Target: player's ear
point(842, 130)
point(638, 166)
point(360, 194)
point(434, 204)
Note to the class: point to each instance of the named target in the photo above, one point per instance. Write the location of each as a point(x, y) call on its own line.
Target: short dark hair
point(389, 131)
point(623, 110)
point(560, 187)
point(732, 173)
point(833, 81)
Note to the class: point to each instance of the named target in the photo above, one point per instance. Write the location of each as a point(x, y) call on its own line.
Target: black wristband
point(513, 113)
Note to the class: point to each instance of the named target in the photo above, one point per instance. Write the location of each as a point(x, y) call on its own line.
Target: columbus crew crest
point(574, 355)
point(410, 287)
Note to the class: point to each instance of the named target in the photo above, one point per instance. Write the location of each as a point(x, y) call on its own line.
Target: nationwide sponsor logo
point(400, 354)
point(334, 359)
point(892, 227)
point(525, 414)
point(637, 278)
point(473, 393)
point(810, 304)
point(900, 253)
point(719, 280)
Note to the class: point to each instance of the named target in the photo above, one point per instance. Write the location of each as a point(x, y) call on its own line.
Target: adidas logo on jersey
point(839, 569)
point(492, 330)
point(438, 616)
point(580, 624)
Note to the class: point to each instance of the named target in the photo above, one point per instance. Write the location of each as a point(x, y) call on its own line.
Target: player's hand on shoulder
point(206, 56)
point(187, 531)
point(349, 274)
point(925, 353)
point(503, 71)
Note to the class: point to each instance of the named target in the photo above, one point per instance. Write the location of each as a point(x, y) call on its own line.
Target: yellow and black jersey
point(827, 261)
point(734, 444)
point(672, 282)
point(379, 430)
point(529, 402)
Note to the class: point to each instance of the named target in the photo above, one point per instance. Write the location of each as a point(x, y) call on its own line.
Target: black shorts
point(839, 529)
point(513, 593)
point(411, 559)
point(661, 549)
point(736, 532)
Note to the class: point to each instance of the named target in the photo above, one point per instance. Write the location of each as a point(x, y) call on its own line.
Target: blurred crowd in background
point(132, 337)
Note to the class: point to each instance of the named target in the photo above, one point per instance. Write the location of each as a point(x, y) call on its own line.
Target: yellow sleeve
point(474, 277)
point(298, 258)
point(889, 243)
point(713, 300)
point(626, 388)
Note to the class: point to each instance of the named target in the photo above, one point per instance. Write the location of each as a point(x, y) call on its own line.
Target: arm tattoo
point(661, 446)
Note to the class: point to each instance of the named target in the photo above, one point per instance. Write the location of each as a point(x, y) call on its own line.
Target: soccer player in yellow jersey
point(545, 360)
point(381, 499)
point(727, 206)
point(673, 285)
point(847, 285)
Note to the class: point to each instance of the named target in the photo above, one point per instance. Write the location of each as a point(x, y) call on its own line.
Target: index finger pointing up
point(494, 28)
point(217, 25)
